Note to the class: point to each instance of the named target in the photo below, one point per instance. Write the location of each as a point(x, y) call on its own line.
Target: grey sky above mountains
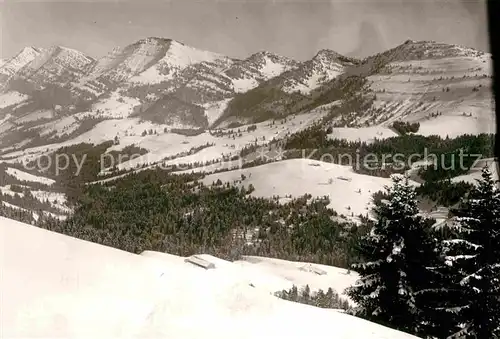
point(239, 28)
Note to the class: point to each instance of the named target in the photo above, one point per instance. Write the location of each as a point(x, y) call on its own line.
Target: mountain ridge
point(166, 82)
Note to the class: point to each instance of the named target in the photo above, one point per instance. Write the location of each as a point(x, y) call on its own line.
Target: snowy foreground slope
point(57, 286)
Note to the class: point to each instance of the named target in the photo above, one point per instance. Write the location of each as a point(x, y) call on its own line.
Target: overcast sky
point(238, 28)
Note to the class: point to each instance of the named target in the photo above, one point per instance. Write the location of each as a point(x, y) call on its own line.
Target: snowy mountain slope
point(160, 85)
point(259, 67)
point(154, 70)
point(116, 86)
point(57, 65)
point(162, 145)
point(229, 143)
point(123, 63)
point(165, 82)
point(426, 82)
point(214, 84)
point(56, 201)
point(36, 195)
point(204, 83)
point(446, 88)
point(209, 86)
point(209, 83)
point(290, 92)
point(176, 58)
point(45, 76)
point(149, 61)
point(11, 66)
point(420, 50)
point(74, 288)
point(127, 81)
point(323, 67)
point(273, 275)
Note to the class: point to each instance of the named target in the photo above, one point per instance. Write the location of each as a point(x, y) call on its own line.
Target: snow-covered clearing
point(6, 125)
point(364, 134)
point(65, 125)
point(64, 287)
point(272, 69)
point(6, 204)
point(5, 119)
point(17, 146)
point(22, 176)
point(36, 216)
point(11, 98)
point(454, 126)
point(214, 110)
point(219, 166)
point(475, 174)
point(244, 85)
point(163, 145)
point(312, 82)
point(349, 193)
point(36, 115)
point(7, 190)
point(116, 106)
point(57, 200)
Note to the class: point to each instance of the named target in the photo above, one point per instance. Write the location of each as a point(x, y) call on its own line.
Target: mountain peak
point(70, 51)
point(264, 53)
point(330, 55)
point(423, 43)
point(326, 52)
point(155, 41)
point(426, 49)
point(409, 41)
point(21, 59)
point(30, 49)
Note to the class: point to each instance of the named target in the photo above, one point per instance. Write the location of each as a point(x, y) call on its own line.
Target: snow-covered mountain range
point(166, 82)
point(183, 105)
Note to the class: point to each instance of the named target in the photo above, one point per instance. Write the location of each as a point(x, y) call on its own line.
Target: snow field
point(64, 287)
point(349, 192)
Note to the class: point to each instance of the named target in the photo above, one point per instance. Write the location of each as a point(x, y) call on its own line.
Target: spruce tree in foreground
point(398, 252)
point(473, 260)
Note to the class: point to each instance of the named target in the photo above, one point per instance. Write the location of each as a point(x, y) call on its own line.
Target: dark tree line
point(320, 298)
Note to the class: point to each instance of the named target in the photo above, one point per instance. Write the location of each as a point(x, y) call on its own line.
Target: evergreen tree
point(399, 252)
point(473, 262)
point(437, 319)
point(306, 295)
